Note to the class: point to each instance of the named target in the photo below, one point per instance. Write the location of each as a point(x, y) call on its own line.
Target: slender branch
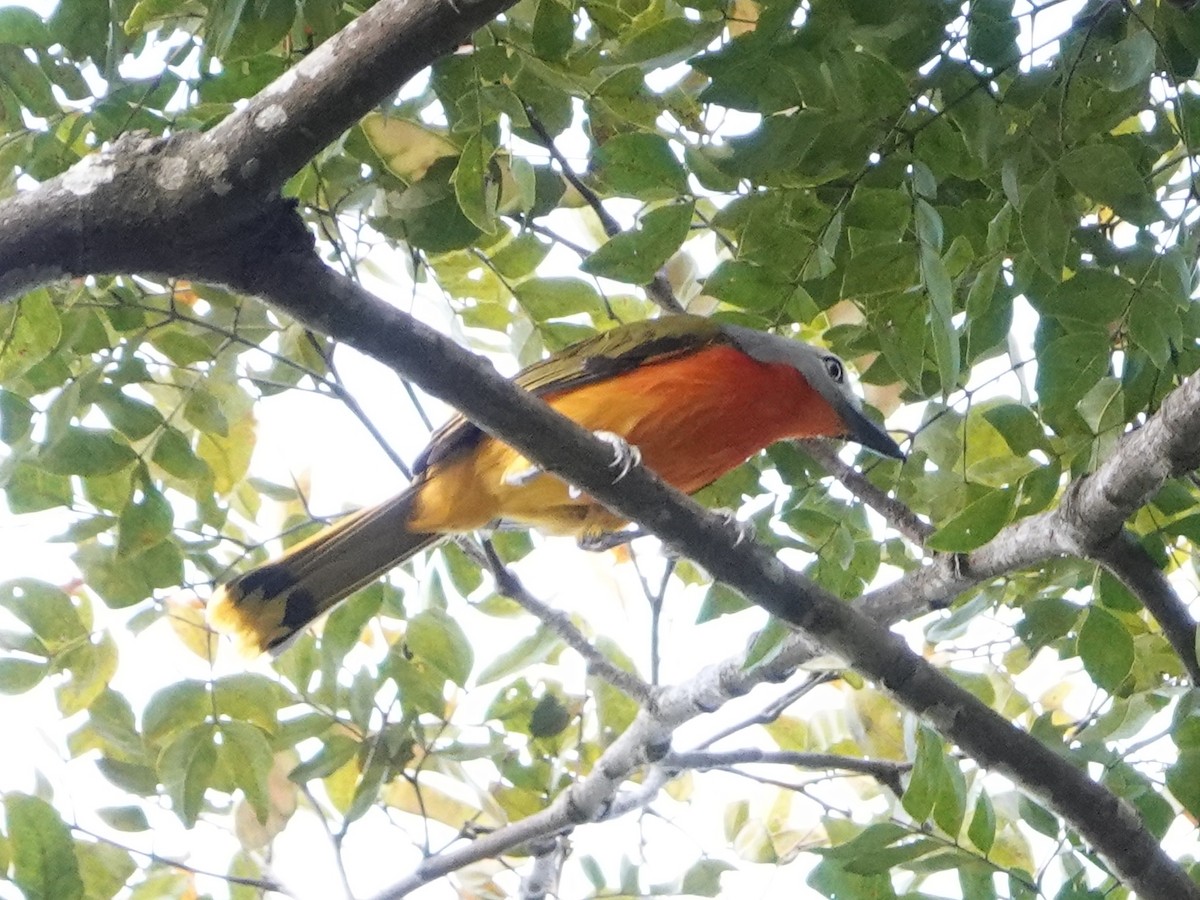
point(772, 710)
point(262, 884)
point(541, 880)
point(895, 512)
point(659, 290)
point(885, 771)
point(508, 584)
point(1127, 560)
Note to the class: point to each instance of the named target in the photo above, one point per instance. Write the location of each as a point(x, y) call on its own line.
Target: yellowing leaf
point(229, 455)
point(436, 804)
point(406, 148)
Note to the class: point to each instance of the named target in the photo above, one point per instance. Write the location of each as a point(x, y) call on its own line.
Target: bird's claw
point(599, 541)
point(625, 455)
point(522, 477)
point(742, 531)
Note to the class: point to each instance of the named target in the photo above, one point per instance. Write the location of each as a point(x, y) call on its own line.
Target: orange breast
point(694, 418)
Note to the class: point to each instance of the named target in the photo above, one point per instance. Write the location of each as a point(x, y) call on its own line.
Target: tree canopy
point(209, 209)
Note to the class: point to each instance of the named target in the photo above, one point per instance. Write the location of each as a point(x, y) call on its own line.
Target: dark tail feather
point(266, 607)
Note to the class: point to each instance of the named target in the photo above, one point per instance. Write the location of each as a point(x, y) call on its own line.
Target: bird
point(690, 397)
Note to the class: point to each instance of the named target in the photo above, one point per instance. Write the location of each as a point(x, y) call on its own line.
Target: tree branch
point(659, 290)
point(202, 205)
point(1127, 560)
point(899, 516)
point(508, 584)
point(884, 771)
point(331, 303)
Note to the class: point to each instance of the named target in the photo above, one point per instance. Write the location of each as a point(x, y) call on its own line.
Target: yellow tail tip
point(253, 623)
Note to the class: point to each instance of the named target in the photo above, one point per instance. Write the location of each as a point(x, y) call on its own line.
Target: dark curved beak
point(863, 431)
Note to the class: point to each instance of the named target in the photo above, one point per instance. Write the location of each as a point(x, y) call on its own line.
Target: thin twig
point(774, 709)
point(659, 290)
point(508, 584)
point(897, 514)
point(262, 884)
point(886, 772)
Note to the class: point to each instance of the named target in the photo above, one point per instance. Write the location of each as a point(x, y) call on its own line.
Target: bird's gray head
point(826, 374)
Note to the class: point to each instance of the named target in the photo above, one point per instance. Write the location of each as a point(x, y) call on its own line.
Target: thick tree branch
point(326, 301)
point(1092, 513)
point(203, 205)
point(207, 205)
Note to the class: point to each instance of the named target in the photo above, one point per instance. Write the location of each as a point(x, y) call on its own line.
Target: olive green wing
point(605, 355)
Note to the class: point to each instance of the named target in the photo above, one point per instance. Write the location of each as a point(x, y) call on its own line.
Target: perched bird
point(695, 397)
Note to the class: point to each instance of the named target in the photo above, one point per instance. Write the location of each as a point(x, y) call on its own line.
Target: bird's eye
point(833, 366)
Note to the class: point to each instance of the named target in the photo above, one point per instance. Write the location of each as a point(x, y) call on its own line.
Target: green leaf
point(1154, 326)
point(977, 523)
point(880, 270)
point(428, 215)
point(541, 646)
point(16, 415)
point(1183, 780)
point(636, 256)
point(475, 188)
point(246, 753)
point(186, 768)
point(941, 318)
point(1104, 172)
point(553, 30)
point(1093, 298)
point(174, 453)
point(124, 818)
point(982, 830)
point(44, 865)
point(104, 867)
point(1106, 648)
point(46, 610)
point(144, 523)
point(174, 708)
point(86, 451)
point(1044, 226)
point(1131, 61)
point(136, 419)
point(248, 697)
point(22, 27)
point(749, 286)
point(20, 675)
point(91, 667)
point(928, 774)
point(992, 33)
point(555, 298)
point(640, 165)
point(549, 717)
point(703, 879)
point(30, 489)
point(27, 81)
point(29, 330)
point(260, 26)
point(436, 639)
point(1069, 367)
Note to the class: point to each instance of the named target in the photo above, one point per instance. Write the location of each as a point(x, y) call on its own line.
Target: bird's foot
point(599, 541)
point(521, 477)
point(742, 531)
point(625, 455)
